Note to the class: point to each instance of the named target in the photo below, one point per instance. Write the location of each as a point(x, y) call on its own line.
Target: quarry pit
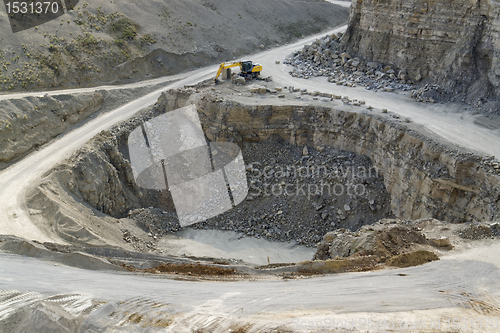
point(327, 180)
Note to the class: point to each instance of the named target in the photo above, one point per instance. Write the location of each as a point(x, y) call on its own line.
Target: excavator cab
point(246, 66)
point(249, 70)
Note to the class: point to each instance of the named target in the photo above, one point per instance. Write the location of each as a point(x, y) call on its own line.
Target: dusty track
point(439, 290)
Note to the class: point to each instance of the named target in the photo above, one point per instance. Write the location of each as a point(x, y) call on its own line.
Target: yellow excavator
point(248, 69)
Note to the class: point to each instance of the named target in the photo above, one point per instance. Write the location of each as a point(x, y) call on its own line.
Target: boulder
point(240, 80)
point(402, 75)
point(386, 69)
point(345, 55)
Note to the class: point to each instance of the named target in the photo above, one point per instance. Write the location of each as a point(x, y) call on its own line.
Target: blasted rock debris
point(300, 193)
point(326, 57)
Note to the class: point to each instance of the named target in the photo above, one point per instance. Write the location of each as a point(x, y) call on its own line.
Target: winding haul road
point(463, 285)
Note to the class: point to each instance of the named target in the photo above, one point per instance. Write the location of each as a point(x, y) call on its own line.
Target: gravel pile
point(479, 231)
point(286, 200)
point(430, 93)
point(385, 238)
point(325, 57)
point(492, 164)
point(155, 221)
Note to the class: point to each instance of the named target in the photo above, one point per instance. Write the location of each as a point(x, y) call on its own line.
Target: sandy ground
point(232, 245)
point(440, 290)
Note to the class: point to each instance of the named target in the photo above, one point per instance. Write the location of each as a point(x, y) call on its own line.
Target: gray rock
point(386, 69)
point(239, 80)
point(305, 152)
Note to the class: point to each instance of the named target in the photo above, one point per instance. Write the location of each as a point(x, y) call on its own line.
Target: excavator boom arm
point(226, 65)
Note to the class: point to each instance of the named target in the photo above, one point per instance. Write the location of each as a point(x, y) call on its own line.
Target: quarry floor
point(462, 285)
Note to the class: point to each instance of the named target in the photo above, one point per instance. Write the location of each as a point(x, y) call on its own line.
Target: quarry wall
point(454, 42)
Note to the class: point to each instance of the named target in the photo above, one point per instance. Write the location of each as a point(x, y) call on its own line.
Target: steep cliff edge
point(454, 43)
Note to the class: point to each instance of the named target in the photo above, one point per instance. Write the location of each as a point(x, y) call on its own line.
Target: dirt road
point(14, 180)
point(436, 291)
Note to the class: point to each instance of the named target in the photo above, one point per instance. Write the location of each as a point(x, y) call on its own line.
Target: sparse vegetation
point(125, 28)
point(147, 40)
point(164, 14)
point(97, 40)
point(412, 259)
point(87, 40)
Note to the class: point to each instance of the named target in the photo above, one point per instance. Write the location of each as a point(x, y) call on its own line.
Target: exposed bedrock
point(423, 178)
point(454, 42)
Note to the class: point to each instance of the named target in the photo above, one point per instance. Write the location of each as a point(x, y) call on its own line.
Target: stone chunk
point(240, 80)
point(258, 89)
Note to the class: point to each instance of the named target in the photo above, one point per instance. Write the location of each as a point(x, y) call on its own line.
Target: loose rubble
point(384, 239)
point(325, 57)
point(430, 93)
point(155, 221)
point(304, 214)
point(477, 231)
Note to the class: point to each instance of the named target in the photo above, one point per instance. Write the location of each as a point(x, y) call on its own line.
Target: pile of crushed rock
point(325, 57)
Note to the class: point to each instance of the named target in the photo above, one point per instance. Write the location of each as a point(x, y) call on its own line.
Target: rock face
point(423, 179)
point(454, 42)
point(30, 122)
